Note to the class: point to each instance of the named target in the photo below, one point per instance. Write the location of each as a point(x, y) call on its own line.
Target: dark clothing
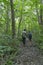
point(24, 37)
point(30, 36)
point(24, 40)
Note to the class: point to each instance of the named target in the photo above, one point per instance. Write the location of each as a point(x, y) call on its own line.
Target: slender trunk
point(19, 23)
point(13, 18)
point(37, 12)
point(7, 20)
point(41, 10)
point(39, 16)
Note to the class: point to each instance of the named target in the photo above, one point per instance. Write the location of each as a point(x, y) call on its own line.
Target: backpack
point(24, 34)
point(30, 35)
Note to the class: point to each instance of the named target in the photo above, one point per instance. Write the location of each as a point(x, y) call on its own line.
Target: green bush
point(9, 62)
point(7, 40)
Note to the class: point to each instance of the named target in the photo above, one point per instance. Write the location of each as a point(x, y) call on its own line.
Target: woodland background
point(15, 15)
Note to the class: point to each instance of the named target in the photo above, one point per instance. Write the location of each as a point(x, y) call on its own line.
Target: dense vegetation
point(15, 15)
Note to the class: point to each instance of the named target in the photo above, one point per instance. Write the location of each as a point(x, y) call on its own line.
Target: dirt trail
point(29, 55)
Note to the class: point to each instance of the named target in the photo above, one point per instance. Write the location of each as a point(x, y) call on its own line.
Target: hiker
point(24, 36)
point(30, 36)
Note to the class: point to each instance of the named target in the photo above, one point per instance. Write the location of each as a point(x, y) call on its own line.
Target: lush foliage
point(27, 14)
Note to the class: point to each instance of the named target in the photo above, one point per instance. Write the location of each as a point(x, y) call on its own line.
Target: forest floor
point(29, 55)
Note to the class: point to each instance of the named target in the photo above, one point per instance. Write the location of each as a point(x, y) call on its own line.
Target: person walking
point(24, 36)
point(30, 37)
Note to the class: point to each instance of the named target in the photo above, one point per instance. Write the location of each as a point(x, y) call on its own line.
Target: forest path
point(29, 55)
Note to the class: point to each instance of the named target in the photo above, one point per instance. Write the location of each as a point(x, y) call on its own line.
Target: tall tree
point(19, 23)
point(41, 11)
point(7, 19)
point(13, 18)
point(37, 10)
point(21, 14)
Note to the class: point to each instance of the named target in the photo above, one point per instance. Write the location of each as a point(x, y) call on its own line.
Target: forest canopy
point(15, 15)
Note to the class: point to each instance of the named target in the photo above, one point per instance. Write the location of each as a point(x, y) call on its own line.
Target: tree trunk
point(19, 23)
point(7, 20)
point(39, 16)
point(41, 12)
point(13, 18)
